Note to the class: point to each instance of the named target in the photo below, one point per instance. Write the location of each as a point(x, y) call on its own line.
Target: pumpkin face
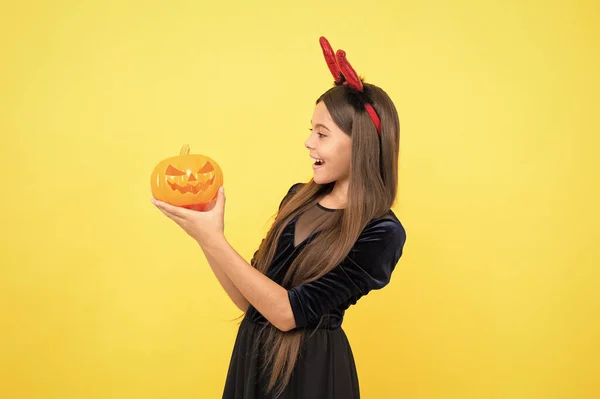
point(187, 180)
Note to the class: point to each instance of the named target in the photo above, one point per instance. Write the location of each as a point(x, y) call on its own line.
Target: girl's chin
point(321, 179)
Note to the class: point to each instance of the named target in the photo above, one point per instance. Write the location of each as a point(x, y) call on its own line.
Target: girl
point(334, 239)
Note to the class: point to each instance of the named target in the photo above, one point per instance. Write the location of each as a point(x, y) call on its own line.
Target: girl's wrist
point(214, 243)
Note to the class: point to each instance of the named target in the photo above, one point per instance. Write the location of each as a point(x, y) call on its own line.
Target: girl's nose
point(307, 144)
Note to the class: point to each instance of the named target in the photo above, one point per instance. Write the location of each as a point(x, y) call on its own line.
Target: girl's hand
point(201, 226)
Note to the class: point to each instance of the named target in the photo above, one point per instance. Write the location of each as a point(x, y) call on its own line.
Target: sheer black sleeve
point(291, 191)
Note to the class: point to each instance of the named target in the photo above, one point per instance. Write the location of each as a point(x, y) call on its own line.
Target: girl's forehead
point(321, 115)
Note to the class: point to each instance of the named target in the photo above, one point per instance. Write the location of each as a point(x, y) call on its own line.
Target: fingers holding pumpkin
point(173, 212)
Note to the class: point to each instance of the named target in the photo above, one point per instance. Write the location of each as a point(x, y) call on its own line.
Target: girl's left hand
point(202, 226)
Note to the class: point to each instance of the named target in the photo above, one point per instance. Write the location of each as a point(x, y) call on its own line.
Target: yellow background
point(102, 296)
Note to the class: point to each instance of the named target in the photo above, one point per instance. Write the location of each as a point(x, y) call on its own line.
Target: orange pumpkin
point(187, 180)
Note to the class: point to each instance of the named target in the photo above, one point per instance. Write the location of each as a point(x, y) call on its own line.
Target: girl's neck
point(337, 198)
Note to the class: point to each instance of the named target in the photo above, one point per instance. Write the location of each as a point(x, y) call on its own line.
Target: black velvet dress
point(325, 368)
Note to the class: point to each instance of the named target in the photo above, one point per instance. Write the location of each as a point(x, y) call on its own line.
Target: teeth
point(316, 159)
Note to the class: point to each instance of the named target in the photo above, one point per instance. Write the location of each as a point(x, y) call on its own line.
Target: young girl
point(334, 239)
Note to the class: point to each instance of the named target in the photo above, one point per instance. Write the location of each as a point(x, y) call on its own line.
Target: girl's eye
point(321, 135)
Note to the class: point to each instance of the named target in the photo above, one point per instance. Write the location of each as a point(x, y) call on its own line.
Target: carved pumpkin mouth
point(191, 188)
point(187, 181)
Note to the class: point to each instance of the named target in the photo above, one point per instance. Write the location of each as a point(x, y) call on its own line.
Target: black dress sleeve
point(368, 266)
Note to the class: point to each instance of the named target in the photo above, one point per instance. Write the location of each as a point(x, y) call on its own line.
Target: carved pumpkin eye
point(173, 171)
point(208, 167)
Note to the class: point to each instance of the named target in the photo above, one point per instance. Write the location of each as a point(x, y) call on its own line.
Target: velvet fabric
point(368, 266)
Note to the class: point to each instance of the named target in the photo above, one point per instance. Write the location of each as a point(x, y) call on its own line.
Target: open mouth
point(317, 161)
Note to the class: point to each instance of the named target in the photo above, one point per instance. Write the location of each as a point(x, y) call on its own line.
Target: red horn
point(348, 72)
point(330, 59)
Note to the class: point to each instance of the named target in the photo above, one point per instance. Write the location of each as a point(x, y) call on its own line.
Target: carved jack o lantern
point(187, 180)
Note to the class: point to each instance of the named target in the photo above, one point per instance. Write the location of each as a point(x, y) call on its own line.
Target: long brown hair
point(372, 191)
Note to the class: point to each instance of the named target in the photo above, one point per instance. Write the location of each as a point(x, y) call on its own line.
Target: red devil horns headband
point(343, 73)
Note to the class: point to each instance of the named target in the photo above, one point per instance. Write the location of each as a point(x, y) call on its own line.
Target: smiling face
point(330, 145)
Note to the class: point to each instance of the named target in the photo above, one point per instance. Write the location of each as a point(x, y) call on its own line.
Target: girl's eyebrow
point(321, 125)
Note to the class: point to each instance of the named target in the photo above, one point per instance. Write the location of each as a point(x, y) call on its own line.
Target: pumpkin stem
point(185, 150)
